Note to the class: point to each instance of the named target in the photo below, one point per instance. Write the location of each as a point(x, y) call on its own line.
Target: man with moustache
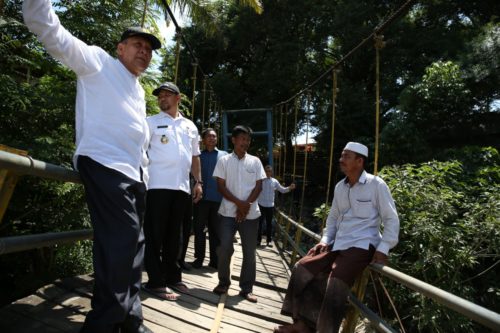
point(111, 138)
point(320, 282)
point(173, 153)
point(206, 210)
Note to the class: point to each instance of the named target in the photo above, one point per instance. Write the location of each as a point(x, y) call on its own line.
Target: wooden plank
point(245, 322)
point(38, 309)
point(172, 317)
point(14, 322)
point(61, 307)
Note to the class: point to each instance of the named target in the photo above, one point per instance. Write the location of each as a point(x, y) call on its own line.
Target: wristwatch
point(196, 181)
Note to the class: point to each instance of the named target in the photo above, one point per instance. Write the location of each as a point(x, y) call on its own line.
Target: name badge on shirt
point(164, 139)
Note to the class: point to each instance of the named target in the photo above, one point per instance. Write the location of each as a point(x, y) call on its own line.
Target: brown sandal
point(163, 293)
point(249, 297)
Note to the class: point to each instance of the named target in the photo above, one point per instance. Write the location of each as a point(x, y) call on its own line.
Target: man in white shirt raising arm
point(111, 140)
point(319, 285)
point(266, 203)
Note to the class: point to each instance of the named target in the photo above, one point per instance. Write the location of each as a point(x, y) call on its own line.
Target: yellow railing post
point(204, 101)
point(8, 181)
point(359, 287)
point(177, 54)
point(294, 169)
point(298, 233)
point(358, 290)
point(195, 67)
point(284, 143)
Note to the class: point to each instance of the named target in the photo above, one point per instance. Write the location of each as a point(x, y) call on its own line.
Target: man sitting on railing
point(319, 285)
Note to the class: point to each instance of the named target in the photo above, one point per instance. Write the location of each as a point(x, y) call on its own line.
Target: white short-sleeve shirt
point(240, 176)
point(172, 145)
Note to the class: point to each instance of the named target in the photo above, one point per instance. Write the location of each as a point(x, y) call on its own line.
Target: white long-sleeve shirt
point(357, 213)
point(110, 108)
point(269, 185)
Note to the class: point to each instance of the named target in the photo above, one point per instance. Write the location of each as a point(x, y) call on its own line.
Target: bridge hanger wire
point(196, 64)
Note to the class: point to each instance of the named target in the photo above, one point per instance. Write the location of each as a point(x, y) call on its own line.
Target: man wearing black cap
point(111, 140)
point(173, 153)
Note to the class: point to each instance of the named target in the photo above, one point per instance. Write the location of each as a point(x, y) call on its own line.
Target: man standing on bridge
point(239, 179)
point(174, 153)
point(319, 285)
point(206, 211)
point(111, 140)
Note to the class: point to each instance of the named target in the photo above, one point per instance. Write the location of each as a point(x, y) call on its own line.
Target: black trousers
point(187, 223)
point(116, 206)
point(266, 214)
point(165, 211)
point(206, 214)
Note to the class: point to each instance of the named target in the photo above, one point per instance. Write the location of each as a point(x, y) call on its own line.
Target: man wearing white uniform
point(173, 153)
point(319, 285)
point(111, 138)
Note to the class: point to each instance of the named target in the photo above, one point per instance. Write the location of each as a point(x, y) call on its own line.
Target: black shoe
point(220, 289)
point(184, 266)
point(143, 329)
point(197, 264)
point(130, 326)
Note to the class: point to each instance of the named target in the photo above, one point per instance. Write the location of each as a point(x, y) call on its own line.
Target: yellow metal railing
point(8, 180)
point(13, 164)
point(473, 311)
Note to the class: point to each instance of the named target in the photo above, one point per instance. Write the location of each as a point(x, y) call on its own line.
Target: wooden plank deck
point(61, 306)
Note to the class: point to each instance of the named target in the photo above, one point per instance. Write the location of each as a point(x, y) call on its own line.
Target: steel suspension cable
point(332, 137)
point(279, 131)
point(379, 44)
point(298, 234)
point(195, 66)
point(177, 55)
point(360, 284)
point(287, 229)
point(168, 13)
point(213, 113)
point(285, 141)
point(204, 100)
point(304, 175)
point(380, 28)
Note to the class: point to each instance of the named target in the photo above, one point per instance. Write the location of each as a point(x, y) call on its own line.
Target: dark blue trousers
point(267, 215)
point(206, 214)
point(116, 204)
point(163, 225)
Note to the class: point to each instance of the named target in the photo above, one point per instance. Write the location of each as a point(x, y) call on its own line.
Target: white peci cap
point(357, 148)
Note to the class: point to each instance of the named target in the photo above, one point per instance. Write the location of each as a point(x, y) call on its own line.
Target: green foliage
point(450, 234)
point(439, 105)
point(322, 212)
point(438, 70)
point(482, 66)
